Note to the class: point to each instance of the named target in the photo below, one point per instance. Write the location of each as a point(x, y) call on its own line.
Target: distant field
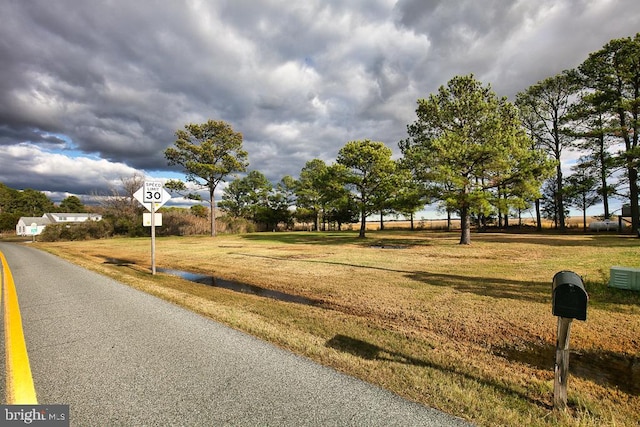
point(574, 223)
point(466, 329)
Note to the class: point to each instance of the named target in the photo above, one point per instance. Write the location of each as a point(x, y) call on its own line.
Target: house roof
point(53, 218)
point(38, 220)
point(73, 214)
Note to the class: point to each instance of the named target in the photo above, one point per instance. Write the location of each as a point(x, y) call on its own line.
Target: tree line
point(473, 153)
point(29, 202)
point(121, 213)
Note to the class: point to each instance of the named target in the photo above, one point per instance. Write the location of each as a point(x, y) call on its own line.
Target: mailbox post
point(569, 301)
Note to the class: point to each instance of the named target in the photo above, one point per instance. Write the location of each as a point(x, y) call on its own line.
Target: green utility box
point(625, 278)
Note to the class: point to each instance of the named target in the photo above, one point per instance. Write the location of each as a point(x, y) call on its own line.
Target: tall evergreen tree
point(369, 174)
point(243, 197)
point(613, 74)
point(548, 103)
point(30, 202)
point(582, 189)
point(593, 124)
point(72, 204)
point(310, 189)
point(208, 153)
point(466, 144)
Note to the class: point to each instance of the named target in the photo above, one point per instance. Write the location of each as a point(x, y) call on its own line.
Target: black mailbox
point(569, 296)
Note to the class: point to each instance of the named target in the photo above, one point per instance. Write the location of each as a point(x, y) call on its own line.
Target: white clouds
point(291, 86)
point(283, 131)
point(58, 172)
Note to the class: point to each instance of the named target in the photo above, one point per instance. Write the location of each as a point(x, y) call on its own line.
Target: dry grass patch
point(466, 329)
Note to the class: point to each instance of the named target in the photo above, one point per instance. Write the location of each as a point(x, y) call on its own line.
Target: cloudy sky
point(92, 91)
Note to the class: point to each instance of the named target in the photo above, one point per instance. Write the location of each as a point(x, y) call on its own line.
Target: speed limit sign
point(152, 192)
point(152, 195)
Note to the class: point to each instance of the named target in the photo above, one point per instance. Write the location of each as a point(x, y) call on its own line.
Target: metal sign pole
point(153, 238)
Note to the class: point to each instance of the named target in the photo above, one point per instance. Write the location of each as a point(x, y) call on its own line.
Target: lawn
point(465, 329)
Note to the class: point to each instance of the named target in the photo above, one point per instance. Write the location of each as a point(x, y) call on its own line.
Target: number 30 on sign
point(152, 192)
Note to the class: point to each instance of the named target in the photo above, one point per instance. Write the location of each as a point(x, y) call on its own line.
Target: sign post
point(561, 368)
point(153, 238)
point(152, 196)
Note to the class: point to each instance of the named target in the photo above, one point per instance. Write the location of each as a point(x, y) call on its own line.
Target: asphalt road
point(120, 357)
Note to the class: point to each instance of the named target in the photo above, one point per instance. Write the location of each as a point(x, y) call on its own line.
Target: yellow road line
point(19, 389)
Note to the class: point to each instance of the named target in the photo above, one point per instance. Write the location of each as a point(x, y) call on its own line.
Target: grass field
point(465, 329)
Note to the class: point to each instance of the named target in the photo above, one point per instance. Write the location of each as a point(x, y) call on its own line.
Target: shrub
point(235, 225)
point(80, 231)
point(182, 223)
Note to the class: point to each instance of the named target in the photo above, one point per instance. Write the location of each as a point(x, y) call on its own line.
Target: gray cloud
point(28, 166)
point(95, 90)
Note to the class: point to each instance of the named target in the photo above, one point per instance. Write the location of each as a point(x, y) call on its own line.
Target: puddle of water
point(118, 262)
point(607, 368)
point(239, 287)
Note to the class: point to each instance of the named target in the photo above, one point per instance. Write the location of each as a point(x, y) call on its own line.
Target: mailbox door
point(570, 301)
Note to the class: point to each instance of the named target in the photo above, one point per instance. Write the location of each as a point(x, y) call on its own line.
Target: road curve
point(119, 356)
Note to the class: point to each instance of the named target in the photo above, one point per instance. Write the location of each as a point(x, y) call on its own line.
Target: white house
point(32, 226)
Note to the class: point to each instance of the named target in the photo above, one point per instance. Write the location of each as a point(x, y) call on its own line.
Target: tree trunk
point(538, 216)
point(603, 179)
point(605, 201)
point(212, 203)
point(631, 142)
point(465, 223)
point(381, 221)
point(632, 147)
point(411, 216)
point(519, 218)
point(559, 183)
point(363, 224)
point(560, 201)
point(635, 209)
